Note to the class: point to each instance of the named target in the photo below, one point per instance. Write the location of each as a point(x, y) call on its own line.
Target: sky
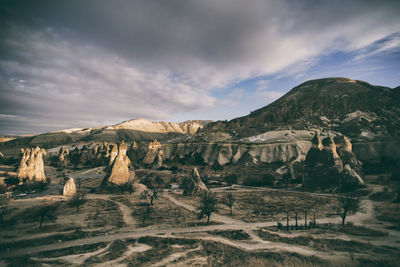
point(88, 63)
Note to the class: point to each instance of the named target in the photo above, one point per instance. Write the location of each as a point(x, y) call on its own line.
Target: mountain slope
point(131, 130)
point(354, 108)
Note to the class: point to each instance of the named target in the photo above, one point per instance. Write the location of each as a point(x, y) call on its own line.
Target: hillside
point(131, 130)
point(355, 108)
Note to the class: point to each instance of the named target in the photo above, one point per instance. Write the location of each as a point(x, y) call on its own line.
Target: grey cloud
point(84, 60)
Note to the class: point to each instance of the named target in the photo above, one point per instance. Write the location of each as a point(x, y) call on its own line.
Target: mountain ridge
point(338, 104)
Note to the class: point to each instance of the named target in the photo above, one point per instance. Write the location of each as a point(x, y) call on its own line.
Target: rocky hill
point(131, 130)
point(357, 109)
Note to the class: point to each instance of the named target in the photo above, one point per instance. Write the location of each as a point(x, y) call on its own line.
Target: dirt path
point(126, 213)
point(214, 217)
point(256, 243)
point(174, 256)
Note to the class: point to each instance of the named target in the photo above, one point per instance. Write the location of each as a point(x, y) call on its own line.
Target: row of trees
point(208, 205)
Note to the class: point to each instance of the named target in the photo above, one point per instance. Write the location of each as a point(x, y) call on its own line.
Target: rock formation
point(74, 156)
point(152, 152)
point(138, 189)
point(2, 157)
point(31, 166)
point(120, 171)
point(133, 153)
point(63, 156)
point(84, 157)
point(158, 162)
point(69, 187)
point(113, 154)
point(329, 164)
point(193, 185)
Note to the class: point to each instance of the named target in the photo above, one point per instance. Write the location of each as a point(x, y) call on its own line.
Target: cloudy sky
point(84, 63)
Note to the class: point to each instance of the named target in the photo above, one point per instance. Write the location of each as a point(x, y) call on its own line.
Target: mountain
point(131, 130)
point(355, 108)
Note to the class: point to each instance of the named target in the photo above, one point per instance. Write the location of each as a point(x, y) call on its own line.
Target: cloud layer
point(87, 63)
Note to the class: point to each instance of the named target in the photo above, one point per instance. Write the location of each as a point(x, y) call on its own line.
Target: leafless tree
point(4, 208)
point(47, 212)
point(78, 200)
point(229, 200)
point(154, 188)
point(208, 205)
point(144, 211)
point(348, 205)
point(231, 179)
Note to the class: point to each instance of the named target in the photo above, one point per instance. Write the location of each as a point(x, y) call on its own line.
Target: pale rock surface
point(63, 156)
point(351, 176)
point(69, 187)
point(31, 166)
point(187, 127)
point(152, 152)
point(158, 162)
point(121, 171)
point(138, 189)
point(193, 185)
point(113, 154)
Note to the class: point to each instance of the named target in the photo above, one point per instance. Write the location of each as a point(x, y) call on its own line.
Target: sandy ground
point(365, 218)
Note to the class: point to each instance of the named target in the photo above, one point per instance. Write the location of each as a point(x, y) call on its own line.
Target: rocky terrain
point(137, 129)
point(271, 183)
point(354, 108)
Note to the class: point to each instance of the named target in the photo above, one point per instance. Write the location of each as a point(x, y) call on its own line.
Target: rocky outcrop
point(152, 152)
point(329, 164)
point(133, 153)
point(113, 154)
point(232, 153)
point(138, 189)
point(31, 166)
point(193, 185)
point(158, 162)
point(121, 170)
point(63, 156)
point(69, 187)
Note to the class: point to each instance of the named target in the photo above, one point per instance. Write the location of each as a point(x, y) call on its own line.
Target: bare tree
point(4, 208)
point(46, 212)
point(154, 188)
point(79, 182)
point(208, 205)
point(348, 205)
point(78, 200)
point(144, 211)
point(229, 200)
point(231, 179)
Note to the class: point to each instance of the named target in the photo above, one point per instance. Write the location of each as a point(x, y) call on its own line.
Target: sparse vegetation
point(208, 205)
point(154, 187)
point(229, 200)
point(46, 213)
point(231, 179)
point(347, 205)
point(78, 200)
point(4, 208)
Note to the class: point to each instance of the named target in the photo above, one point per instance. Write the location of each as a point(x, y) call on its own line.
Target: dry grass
point(389, 212)
point(163, 213)
point(328, 244)
point(235, 235)
point(348, 229)
point(95, 213)
point(259, 206)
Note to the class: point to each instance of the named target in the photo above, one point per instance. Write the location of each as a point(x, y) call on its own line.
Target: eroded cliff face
point(331, 165)
point(31, 166)
point(226, 153)
point(121, 170)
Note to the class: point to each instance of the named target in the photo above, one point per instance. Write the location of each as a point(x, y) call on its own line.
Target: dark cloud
point(81, 63)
